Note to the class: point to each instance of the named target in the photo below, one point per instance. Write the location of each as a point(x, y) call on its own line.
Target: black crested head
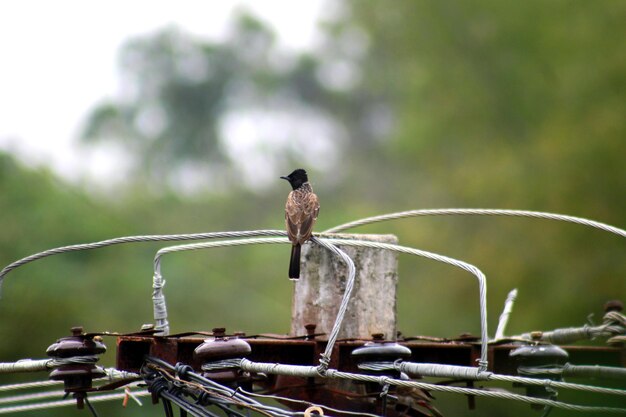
point(296, 178)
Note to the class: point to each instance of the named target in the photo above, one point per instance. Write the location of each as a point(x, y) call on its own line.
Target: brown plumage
point(301, 210)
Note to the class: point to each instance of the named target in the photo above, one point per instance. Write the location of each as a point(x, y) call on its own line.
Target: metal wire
point(479, 212)
point(37, 365)
point(345, 226)
point(29, 385)
point(218, 244)
point(556, 384)
point(506, 312)
point(161, 312)
point(343, 307)
point(308, 403)
point(303, 371)
point(310, 371)
point(594, 371)
point(216, 390)
point(472, 391)
point(135, 239)
point(113, 375)
point(31, 397)
point(613, 324)
point(466, 372)
point(482, 281)
point(63, 403)
point(25, 365)
point(350, 282)
point(158, 296)
point(45, 394)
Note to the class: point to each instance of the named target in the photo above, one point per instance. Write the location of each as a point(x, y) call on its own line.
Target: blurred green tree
point(516, 103)
point(183, 97)
point(493, 104)
point(416, 104)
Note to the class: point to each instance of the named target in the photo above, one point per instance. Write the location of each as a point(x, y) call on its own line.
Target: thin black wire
point(237, 397)
point(199, 405)
point(194, 409)
point(167, 406)
point(91, 408)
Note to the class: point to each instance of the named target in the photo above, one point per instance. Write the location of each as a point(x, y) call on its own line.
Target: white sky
point(58, 59)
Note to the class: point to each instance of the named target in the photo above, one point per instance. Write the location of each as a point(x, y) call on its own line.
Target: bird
point(301, 210)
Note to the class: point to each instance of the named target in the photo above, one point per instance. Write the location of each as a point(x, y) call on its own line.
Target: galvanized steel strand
point(613, 323)
point(594, 371)
point(471, 391)
point(466, 372)
point(308, 371)
point(25, 365)
point(50, 394)
point(29, 385)
point(69, 402)
point(226, 243)
point(158, 300)
point(555, 384)
point(307, 403)
point(112, 375)
point(135, 239)
point(360, 222)
point(479, 212)
point(334, 333)
point(351, 242)
point(506, 313)
point(482, 281)
point(37, 365)
point(32, 397)
point(158, 296)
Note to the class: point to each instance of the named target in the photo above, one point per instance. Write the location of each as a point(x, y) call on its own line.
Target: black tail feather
point(294, 263)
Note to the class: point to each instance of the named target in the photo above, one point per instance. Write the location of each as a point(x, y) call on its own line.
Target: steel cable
point(303, 371)
point(161, 312)
point(135, 239)
point(350, 282)
point(479, 212)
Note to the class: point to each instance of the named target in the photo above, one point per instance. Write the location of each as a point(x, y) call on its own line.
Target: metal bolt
point(219, 332)
point(310, 331)
point(378, 337)
point(536, 335)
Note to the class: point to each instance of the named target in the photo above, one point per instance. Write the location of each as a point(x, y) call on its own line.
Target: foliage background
point(422, 104)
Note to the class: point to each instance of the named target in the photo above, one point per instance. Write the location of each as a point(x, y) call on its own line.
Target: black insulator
point(541, 362)
point(76, 345)
point(380, 352)
point(531, 357)
point(77, 376)
point(222, 348)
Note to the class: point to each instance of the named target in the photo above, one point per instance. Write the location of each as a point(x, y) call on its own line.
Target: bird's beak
point(285, 178)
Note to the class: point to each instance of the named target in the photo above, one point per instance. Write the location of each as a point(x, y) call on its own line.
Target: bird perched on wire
point(301, 210)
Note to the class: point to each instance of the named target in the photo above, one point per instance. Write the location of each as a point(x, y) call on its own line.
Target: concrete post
point(319, 291)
